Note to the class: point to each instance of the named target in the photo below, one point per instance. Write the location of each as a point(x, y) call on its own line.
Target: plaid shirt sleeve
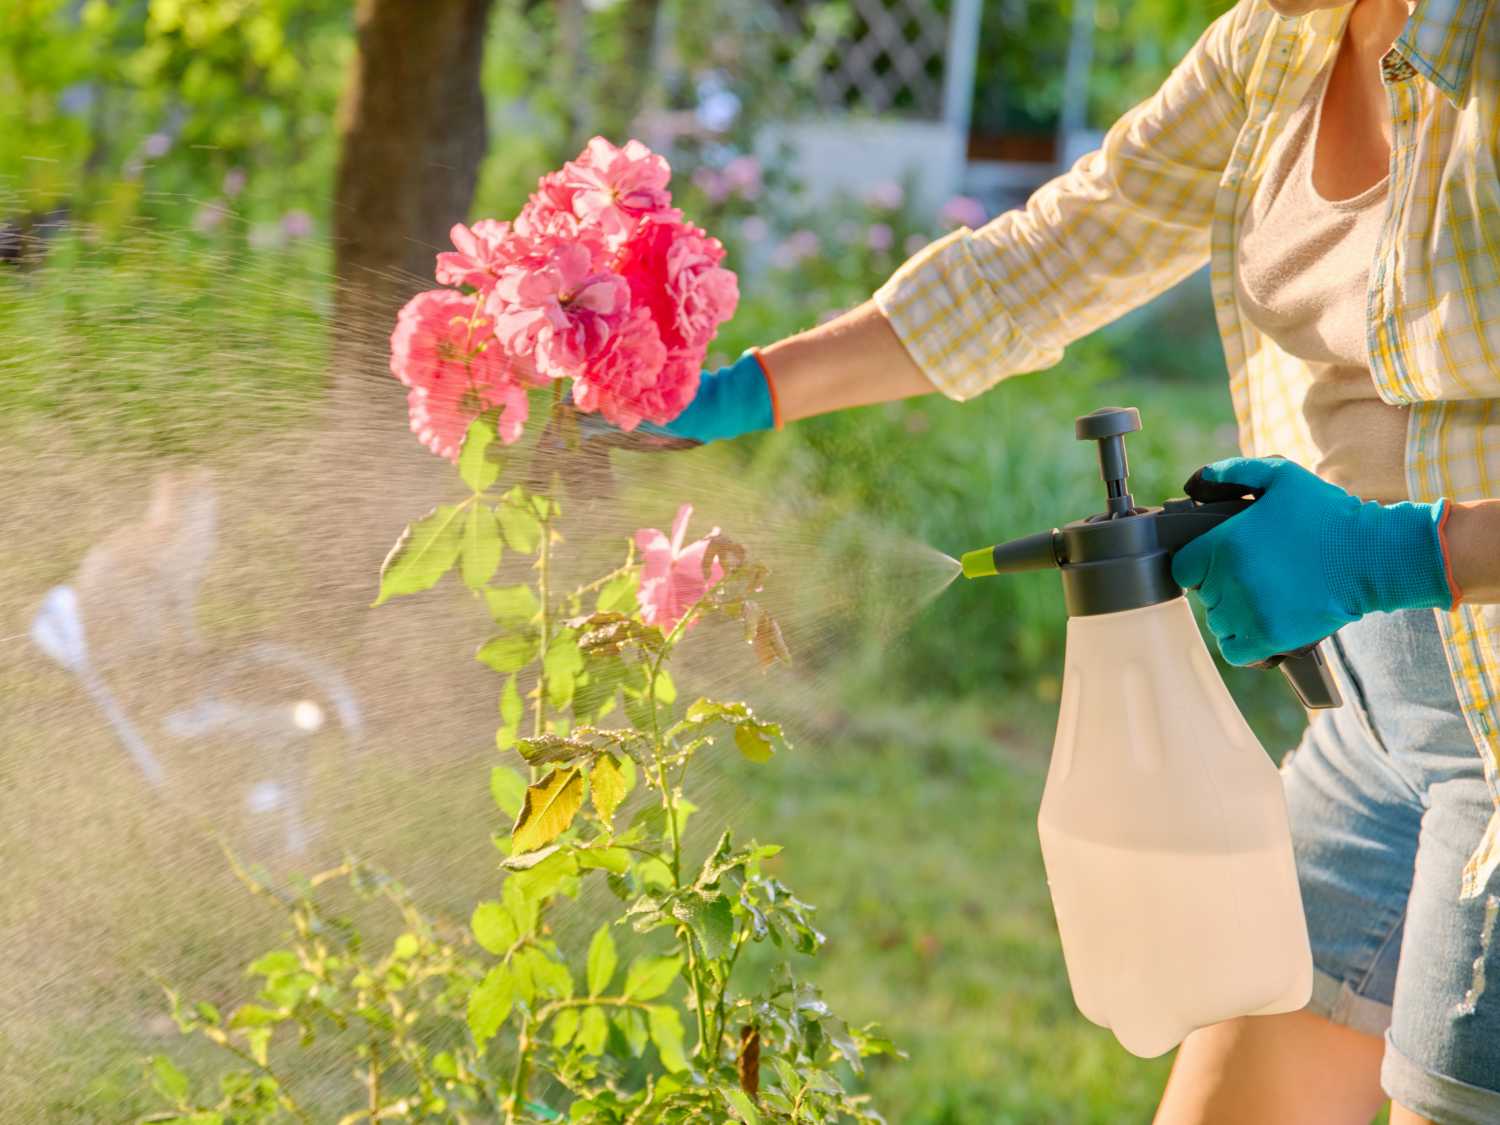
point(1126, 223)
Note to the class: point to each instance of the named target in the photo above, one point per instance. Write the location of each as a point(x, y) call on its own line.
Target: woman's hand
point(1308, 558)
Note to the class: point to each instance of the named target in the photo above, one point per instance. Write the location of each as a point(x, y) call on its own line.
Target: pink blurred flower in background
point(963, 211)
point(558, 311)
point(711, 183)
point(887, 195)
point(672, 577)
point(297, 224)
point(742, 176)
point(754, 229)
point(234, 182)
point(446, 355)
point(798, 245)
point(209, 218)
point(914, 243)
point(880, 237)
point(479, 254)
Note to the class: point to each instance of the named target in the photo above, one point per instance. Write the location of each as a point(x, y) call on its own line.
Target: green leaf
point(512, 709)
point(406, 947)
point(549, 807)
point(666, 690)
point(253, 1015)
point(509, 790)
point(740, 1102)
point(562, 664)
point(602, 960)
point(277, 963)
point(649, 977)
point(618, 595)
point(552, 978)
point(753, 743)
point(425, 552)
point(632, 1025)
point(490, 1004)
point(509, 652)
point(564, 1027)
point(482, 546)
point(170, 1082)
point(512, 605)
point(523, 531)
point(666, 1033)
point(711, 919)
point(608, 788)
point(477, 461)
point(493, 927)
point(593, 1031)
point(615, 860)
point(258, 1039)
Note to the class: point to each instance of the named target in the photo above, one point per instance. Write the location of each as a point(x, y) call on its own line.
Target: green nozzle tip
point(979, 564)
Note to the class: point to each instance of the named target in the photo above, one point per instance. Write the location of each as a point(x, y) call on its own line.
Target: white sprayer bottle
point(1163, 824)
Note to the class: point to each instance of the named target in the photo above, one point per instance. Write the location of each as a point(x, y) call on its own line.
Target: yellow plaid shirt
point(1167, 191)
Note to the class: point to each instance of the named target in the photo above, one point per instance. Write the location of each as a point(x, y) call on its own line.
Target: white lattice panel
point(888, 56)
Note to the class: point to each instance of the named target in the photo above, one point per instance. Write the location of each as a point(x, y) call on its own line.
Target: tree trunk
point(413, 136)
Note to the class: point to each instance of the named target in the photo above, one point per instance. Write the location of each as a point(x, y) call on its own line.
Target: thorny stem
point(521, 1078)
point(658, 751)
point(543, 563)
point(374, 1079)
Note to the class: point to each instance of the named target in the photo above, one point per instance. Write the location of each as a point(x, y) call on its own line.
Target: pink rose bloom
point(557, 309)
point(616, 187)
point(479, 254)
point(454, 370)
point(672, 578)
point(625, 381)
point(673, 269)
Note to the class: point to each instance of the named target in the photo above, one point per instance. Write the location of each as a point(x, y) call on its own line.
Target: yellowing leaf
point(549, 807)
point(753, 742)
point(425, 552)
point(608, 788)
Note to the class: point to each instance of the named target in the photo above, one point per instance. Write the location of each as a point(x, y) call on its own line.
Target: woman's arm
point(854, 360)
point(1473, 539)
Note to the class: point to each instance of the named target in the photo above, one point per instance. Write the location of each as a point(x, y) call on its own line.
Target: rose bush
point(501, 1020)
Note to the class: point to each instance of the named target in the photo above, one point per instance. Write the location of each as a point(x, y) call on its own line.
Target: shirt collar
point(1438, 41)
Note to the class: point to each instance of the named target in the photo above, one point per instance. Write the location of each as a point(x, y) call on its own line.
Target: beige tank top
point(1301, 271)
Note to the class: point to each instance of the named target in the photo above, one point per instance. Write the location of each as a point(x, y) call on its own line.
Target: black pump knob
point(1106, 422)
point(1108, 426)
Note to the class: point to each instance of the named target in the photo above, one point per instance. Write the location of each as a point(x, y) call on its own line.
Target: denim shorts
point(1388, 799)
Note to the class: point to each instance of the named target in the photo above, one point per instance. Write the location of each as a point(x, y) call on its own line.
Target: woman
point(1337, 166)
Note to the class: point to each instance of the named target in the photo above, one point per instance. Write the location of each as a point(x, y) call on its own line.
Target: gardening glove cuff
point(1391, 557)
point(734, 400)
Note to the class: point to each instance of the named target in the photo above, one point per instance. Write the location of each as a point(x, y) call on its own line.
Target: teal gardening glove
point(734, 400)
point(1307, 558)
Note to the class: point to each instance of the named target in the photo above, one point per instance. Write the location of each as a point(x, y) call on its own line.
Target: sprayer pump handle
point(1107, 422)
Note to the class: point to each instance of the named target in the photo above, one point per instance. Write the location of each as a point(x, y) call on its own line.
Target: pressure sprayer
point(1163, 824)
